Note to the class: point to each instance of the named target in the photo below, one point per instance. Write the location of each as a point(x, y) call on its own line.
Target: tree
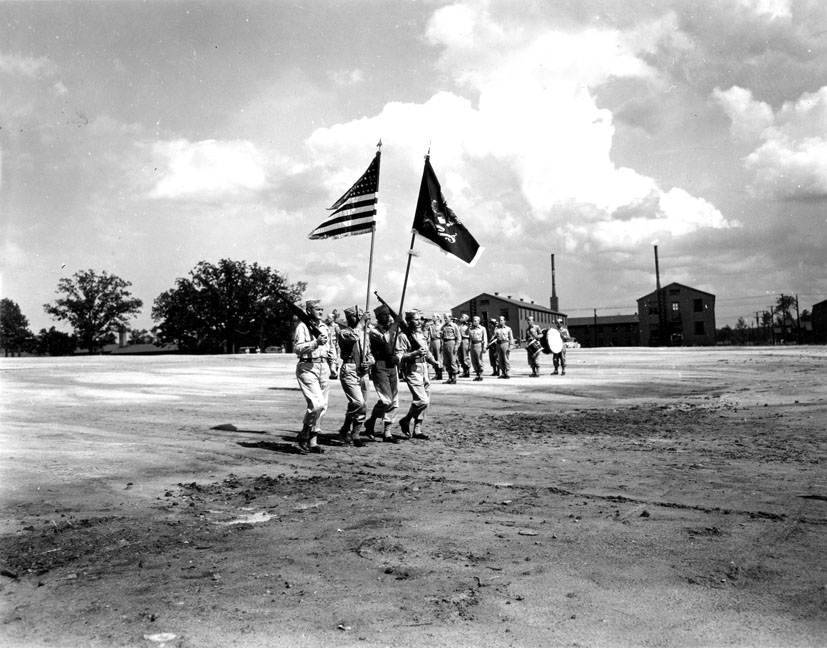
point(140, 336)
point(741, 334)
point(14, 327)
point(96, 305)
point(55, 343)
point(224, 307)
point(724, 335)
point(783, 308)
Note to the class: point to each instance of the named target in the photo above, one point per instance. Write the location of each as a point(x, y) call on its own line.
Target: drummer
point(559, 359)
point(533, 346)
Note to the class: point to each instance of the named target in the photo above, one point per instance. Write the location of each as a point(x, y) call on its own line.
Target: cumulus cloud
point(524, 102)
point(209, 169)
point(749, 118)
point(791, 160)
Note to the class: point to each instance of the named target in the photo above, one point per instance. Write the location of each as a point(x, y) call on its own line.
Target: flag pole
point(407, 270)
point(404, 288)
point(372, 238)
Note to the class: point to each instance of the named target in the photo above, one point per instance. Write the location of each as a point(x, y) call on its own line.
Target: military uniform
point(504, 337)
point(384, 375)
point(434, 330)
point(312, 374)
point(464, 355)
point(450, 342)
point(355, 360)
point(478, 341)
point(492, 349)
point(414, 357)
point(559, 359)
point(533, 334)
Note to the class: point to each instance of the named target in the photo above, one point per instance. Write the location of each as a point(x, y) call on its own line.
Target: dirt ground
point(647, 498)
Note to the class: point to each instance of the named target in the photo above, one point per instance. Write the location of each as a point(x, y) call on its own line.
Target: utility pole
point(797, 320)
point(757, 327)
point(772, 325)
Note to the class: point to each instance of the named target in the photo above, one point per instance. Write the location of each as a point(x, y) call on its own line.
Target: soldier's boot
point(354, 436)
point(369, 431)
point(387, 436)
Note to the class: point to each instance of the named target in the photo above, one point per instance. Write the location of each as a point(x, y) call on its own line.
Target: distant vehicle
point(572, 344)
point(274, 349)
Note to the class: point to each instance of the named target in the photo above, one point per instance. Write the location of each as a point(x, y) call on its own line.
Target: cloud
point(347, 77)
point(208, 169)
point(521, 145)
point(27, 66)
point(749, 117)
point(768, 8)
point(791, 161)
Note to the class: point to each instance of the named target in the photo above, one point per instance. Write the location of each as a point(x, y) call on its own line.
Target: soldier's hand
point(322, 339)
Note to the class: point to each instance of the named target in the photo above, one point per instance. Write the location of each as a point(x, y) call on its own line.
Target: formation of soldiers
point(356, 352)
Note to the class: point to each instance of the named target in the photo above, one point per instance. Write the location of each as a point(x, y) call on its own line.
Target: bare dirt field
point(650, 497)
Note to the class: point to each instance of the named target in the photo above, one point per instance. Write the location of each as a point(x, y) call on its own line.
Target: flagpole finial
point(428, 154)
point(379, 145)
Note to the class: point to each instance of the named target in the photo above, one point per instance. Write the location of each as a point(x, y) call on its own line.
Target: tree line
point(782, 323)
point(217, 308)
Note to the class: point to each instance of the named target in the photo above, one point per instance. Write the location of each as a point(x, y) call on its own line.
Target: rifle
point(302, 316)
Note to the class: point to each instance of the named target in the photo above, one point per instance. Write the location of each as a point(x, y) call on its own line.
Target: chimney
point(554, 304)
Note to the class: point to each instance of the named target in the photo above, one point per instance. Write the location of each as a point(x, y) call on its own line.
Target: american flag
point(355, 212)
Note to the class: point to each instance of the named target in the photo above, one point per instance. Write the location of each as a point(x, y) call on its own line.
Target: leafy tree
point(724, 335)
point(741, 334)
point(224, 307)
point(55, 343)
point(141, 336)
point(96, 305)
point(14, 327)
point(783, 308)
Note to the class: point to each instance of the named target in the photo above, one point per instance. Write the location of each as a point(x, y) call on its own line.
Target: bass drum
point(552, 341)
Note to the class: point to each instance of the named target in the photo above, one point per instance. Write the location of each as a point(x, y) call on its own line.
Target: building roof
point(675, 284)
point(518, 302)
point(603, 320)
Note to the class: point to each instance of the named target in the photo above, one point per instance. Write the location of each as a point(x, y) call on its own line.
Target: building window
point(699, 328)
point(674, 291)
point(675, 307)
point(698, 305)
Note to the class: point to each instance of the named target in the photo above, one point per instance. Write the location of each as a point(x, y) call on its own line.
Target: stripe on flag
point(355, 212)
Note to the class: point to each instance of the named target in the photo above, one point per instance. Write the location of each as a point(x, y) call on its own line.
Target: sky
point(140, 138)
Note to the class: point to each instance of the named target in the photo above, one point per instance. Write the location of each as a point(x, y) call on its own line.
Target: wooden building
point(490, 306)
point(605, 330)
point(678, 316)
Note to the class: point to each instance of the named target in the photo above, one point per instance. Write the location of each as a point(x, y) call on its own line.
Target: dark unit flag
point(435, 221)
point(355, 212)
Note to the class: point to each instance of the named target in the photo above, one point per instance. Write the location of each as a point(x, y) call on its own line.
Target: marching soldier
point(478, 342)
point(435, 342)
point(356, 360)
point(383, 373)
point(464, 355)
point(450, 342)
point(559, 359)
point(414, 357)
point(492, 348)
point(315, 357)
point(533, 347)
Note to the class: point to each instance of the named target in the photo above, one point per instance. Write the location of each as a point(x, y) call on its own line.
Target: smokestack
point(554, 304)
point(657, 270)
